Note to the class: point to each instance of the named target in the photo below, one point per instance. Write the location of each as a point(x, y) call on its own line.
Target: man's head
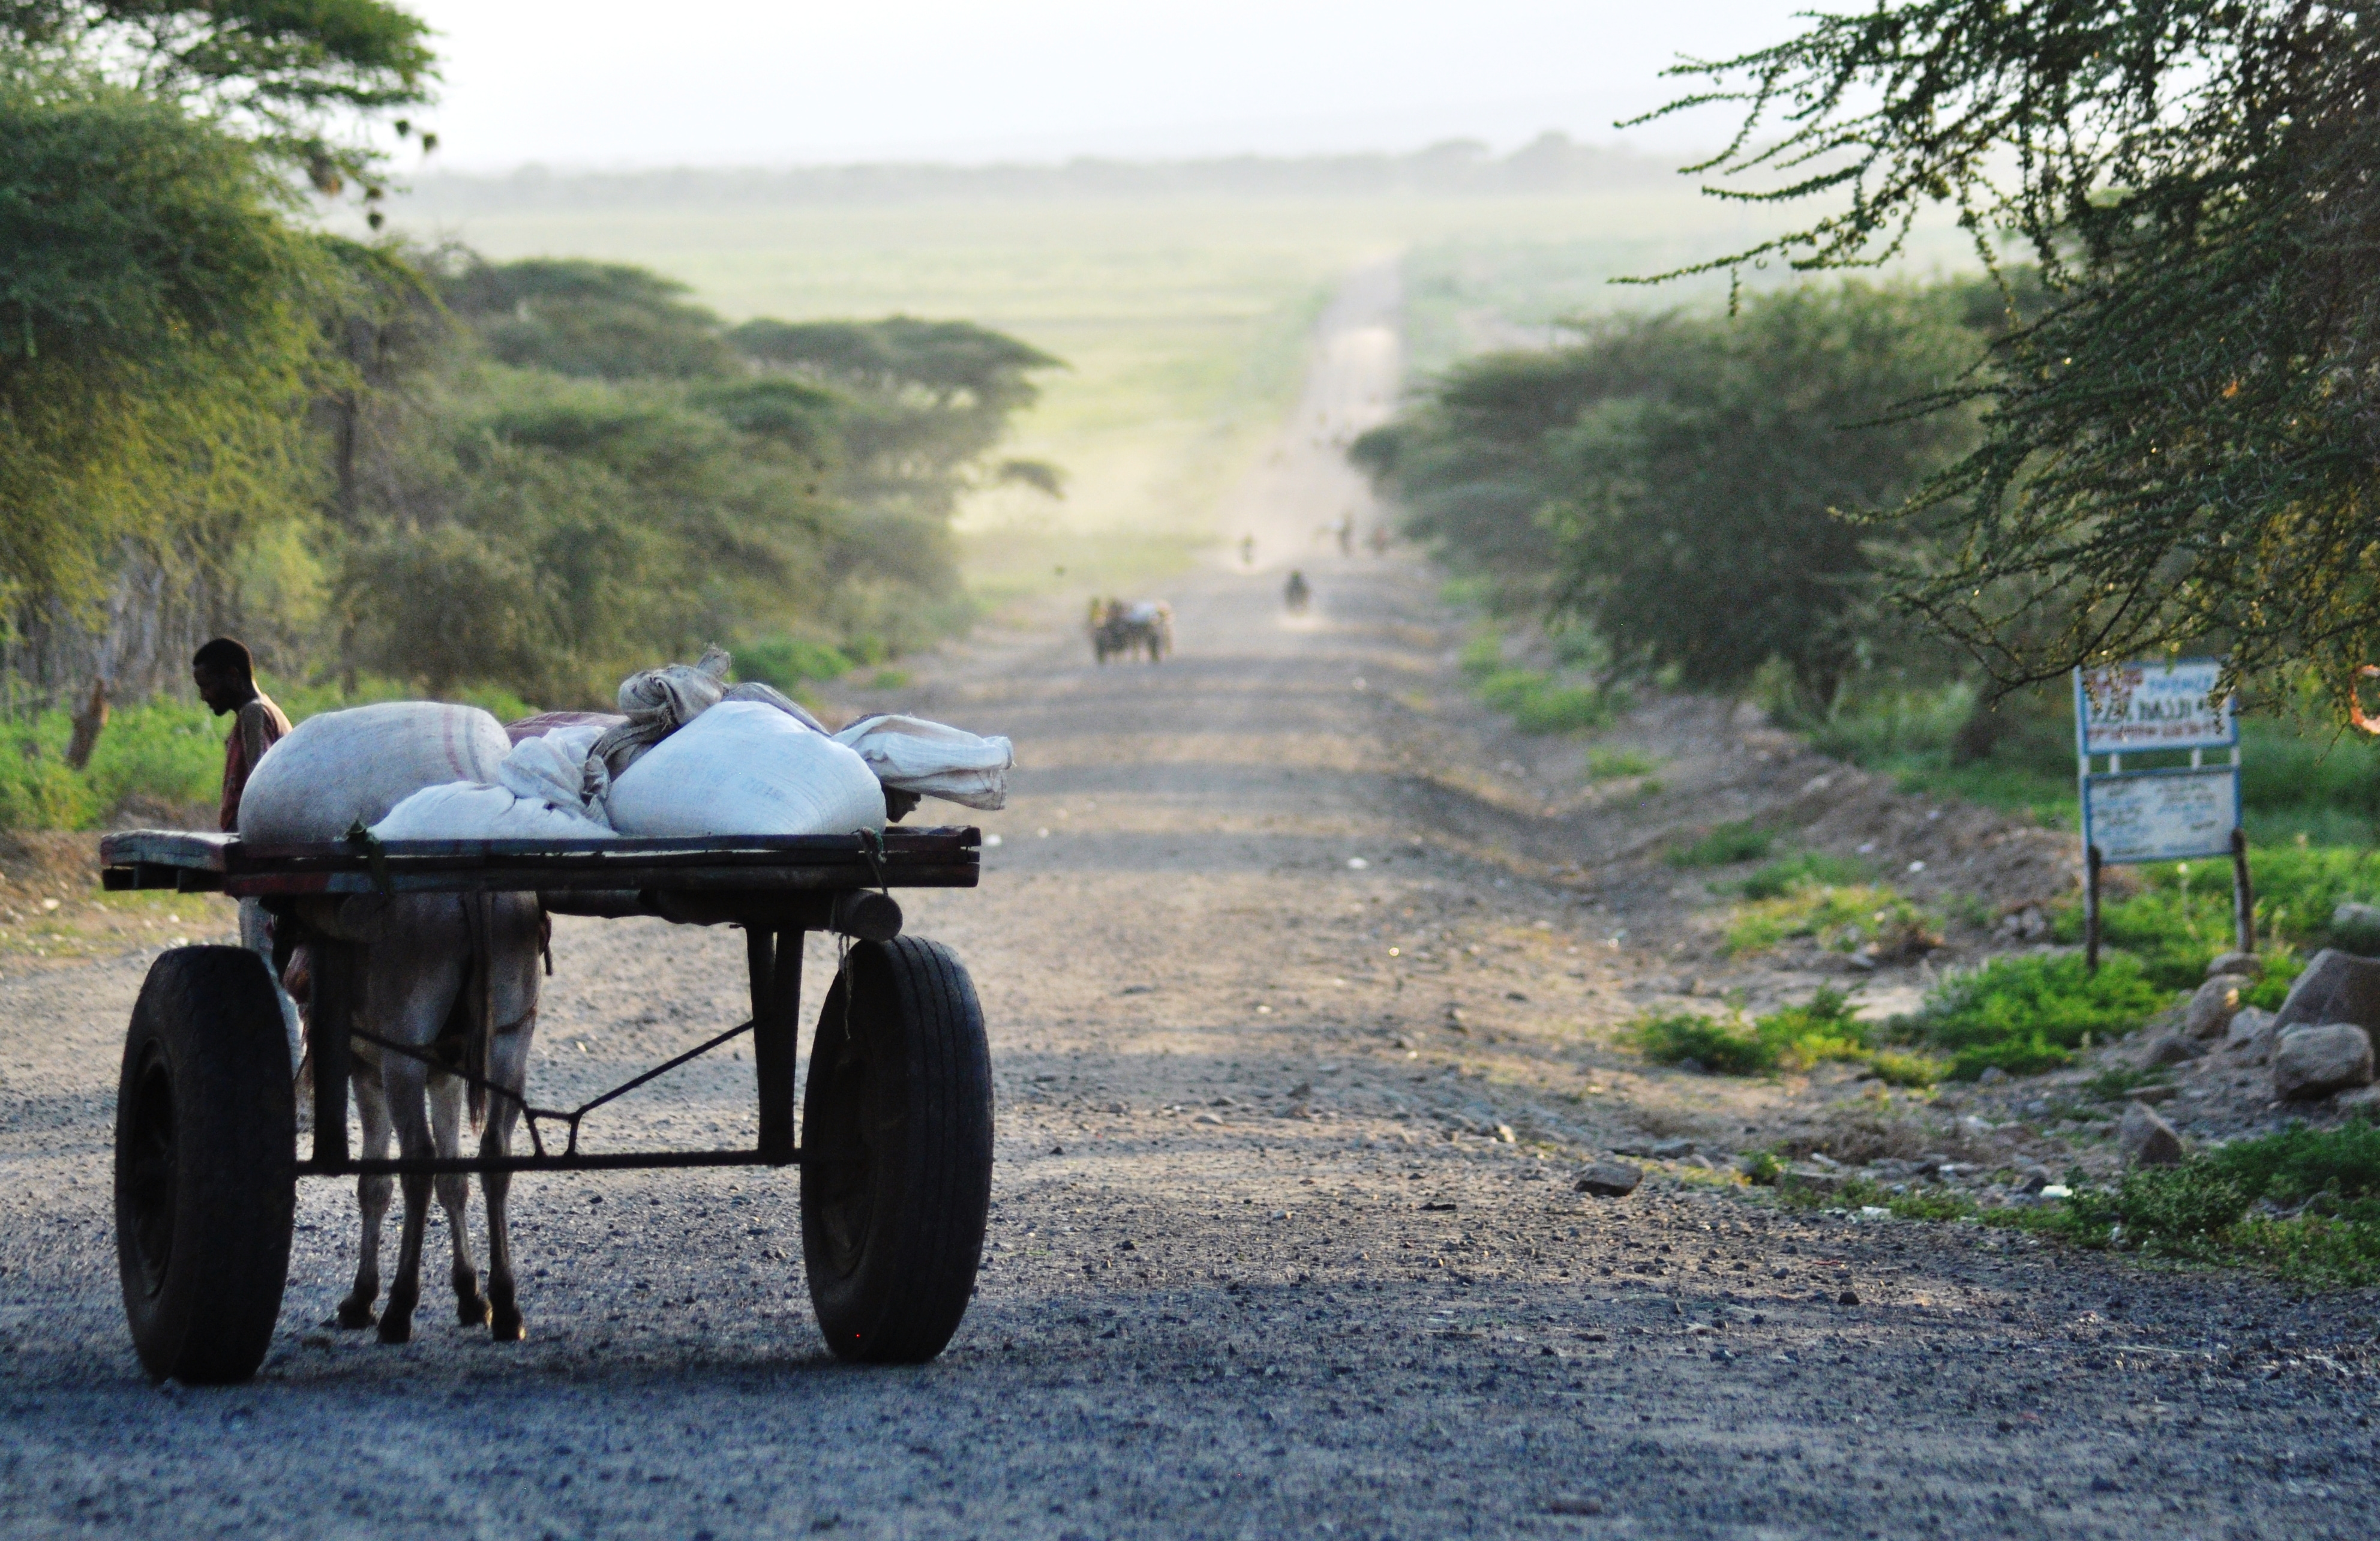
point(225, 674)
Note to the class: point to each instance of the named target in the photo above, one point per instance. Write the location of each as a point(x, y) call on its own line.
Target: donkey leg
point(406, 1081)
point(509, 1066)
point(372, 1198)
point(454, 1197)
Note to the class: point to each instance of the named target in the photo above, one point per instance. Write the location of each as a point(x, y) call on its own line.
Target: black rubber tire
point(206, 1180)
point(896, 1153)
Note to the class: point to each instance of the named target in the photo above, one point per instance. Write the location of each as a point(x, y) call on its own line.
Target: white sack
point(658, 703)
point(744, 768)
point(464, 810)
point(914, 755)
point(334, 770)
point(553, 769)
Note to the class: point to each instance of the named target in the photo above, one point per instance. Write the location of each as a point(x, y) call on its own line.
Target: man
point(226, 676)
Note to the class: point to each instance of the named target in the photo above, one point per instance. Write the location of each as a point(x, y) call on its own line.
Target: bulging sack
point(334, 770)
point(462, 810)
point(744, 768)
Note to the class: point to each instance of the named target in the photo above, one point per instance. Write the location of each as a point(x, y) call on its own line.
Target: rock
point(2249, 1034)
point(1991, 1076)
point(2356, 927)
point(1672, 1150)
point(2311, 1062)
point(2210, 1011)
point(2335, 986)
point(1814, 1180)
point(2152, 1095)
point(2246, 965)
point(1610, 1179)
point(2148, 1140)
point(2362, 1096)
point(2166, 1049)
point(2031, 1179)
point(1927, 1166)
point(1638, 1148)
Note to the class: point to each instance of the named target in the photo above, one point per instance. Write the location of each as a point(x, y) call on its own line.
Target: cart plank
point(938, 857)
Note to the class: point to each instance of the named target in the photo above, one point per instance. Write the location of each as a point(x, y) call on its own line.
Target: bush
point(1538, 704)
point(789, 662)
point(1724, 845)
point(1821, 1030)
point(2027, 1015)
point(1611, 765)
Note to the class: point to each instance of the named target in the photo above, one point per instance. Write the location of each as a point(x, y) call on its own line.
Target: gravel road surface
point(1285, 1240)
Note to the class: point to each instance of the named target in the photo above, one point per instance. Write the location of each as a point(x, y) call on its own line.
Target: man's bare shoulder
point(265, 714)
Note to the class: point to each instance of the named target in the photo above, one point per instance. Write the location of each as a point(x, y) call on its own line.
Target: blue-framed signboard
point(2173, 813)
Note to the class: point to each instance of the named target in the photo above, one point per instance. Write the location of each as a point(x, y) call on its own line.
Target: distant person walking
point(1247, 550)
point(226, 676)
point(1296, 594)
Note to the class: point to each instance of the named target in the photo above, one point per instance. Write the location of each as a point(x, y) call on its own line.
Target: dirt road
point(1294, 1073)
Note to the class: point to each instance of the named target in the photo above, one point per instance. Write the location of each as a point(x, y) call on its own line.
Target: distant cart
point(896, 1135)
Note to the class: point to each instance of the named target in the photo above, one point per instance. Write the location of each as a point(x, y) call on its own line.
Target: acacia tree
point(296, 80)
point(2179, 451)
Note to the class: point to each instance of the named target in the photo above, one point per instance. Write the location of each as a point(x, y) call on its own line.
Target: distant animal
point(1296, 593)
point(454, 977)
point(1119, 629)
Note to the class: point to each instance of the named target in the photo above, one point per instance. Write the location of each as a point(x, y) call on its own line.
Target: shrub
point(788, 662)
point(1821, 1030)
point(2026, 1014)
point(1724, 845)
point(1726, 1046)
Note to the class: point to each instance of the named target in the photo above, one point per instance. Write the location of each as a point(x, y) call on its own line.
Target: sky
point(607, 83)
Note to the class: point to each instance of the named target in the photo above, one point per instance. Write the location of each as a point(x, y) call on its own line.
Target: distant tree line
point(369, 457)
point(1553, 162)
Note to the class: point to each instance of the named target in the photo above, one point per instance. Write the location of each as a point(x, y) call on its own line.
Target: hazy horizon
point(735, 84)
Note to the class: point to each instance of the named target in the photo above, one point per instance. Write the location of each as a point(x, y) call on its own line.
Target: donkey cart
point(896, 1135)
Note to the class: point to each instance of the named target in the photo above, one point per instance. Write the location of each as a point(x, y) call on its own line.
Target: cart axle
point(439, 1166)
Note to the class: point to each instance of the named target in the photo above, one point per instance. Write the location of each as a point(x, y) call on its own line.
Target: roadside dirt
point(1300, 1004)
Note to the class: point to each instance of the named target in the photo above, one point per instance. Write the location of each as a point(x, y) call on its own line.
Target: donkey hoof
point(507, 1328)
point(395, 1328)
point(355, 1314)
point(471, 1310)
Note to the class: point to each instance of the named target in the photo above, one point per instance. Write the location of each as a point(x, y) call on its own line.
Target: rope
point(530, 1113)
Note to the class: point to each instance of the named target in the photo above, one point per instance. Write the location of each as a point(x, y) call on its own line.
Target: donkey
point(454, 977)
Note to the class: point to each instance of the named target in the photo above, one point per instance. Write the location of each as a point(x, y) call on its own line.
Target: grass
point(1723, 846)
point(2181, 915)
point(1822, 1030)
point(1612, 765)
point(1805, 868)
point(1842, 918)
point(2026, 1014)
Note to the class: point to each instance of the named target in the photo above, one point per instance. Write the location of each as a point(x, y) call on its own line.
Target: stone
point(1672, 1150)
point(2246, 965)
point(1639, 1149)
point(1610, 1179)
point(1814, 1180)
point(2362, 1096)
point(2152, 1095)
point(2166, 1049)
point(2335, 986)
point(2250, 1034)
point(2148, 1140)
point(2311, 1062)
point(2356, 927)
point(2031, 1179)
point(1991, 1076)
point(2210, 1011)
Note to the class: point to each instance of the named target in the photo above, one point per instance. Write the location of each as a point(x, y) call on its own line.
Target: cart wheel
point(896, 1153)
point(206, 1182)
